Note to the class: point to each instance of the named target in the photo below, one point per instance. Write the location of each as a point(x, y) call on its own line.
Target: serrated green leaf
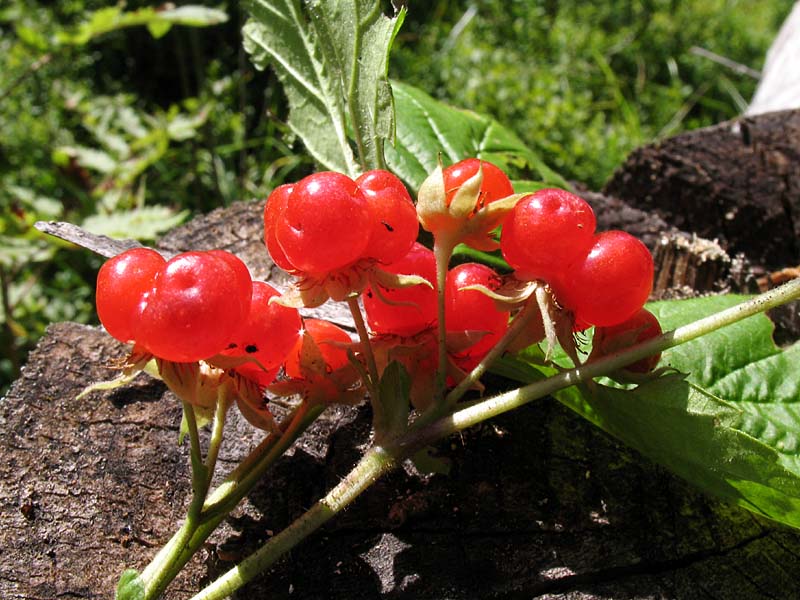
point(85, 157)
point(730, 425)
point(427, 128)
point(394, 390)
point(143, 223)
point(130, 586)
point(279, 34)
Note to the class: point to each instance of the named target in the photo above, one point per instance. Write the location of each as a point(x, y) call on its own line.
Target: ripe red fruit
point(328, 338)
point(611, 283)
point(495, 186)
point(322, 225)
point(268, 335)
point(394, 225)
point(545, 232)
point(199, 301)
point(473, 311)
point(640, 327)
point(413, 308)
point(123, 283)
point(273, 208)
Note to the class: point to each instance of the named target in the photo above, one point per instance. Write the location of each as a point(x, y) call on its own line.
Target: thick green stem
point(162, 568)
point(204, 518)
point(380, 460)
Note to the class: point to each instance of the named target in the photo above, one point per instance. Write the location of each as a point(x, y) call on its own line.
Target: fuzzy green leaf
point(427, 128)
point(332, 61)
point(730, 423)
point(395, 390)
point(130, 586)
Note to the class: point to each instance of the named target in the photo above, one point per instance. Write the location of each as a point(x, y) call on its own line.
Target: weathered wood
point(736, 182)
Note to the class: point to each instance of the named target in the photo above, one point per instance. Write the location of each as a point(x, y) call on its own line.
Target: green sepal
point(428, 464)
point(394, 392)
point(130, 586)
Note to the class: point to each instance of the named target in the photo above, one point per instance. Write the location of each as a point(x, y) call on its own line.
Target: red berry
point(268, 335)
point(473, 311)
point(416, 305)
point(394, 218)
point(198, 303)
point(122, 285)
point(324, 222)
point(611, 283)
point(329, 339)
point(640, 327)
point(495, 186)
point(545, 232)
point(274, 207)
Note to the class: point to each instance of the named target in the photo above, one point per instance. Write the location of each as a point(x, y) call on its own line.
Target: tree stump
point(538, 503)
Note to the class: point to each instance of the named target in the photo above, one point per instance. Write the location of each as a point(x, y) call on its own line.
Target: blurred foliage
point(583, 83)
point(127, 119)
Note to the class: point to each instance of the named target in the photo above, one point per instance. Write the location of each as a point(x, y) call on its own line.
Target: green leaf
point(429, 464)
point(130, 586)
point(143, 223)
point(394, 390)
point(730, 424)
point(427, 128)
point(158, 22)
point(356, 37)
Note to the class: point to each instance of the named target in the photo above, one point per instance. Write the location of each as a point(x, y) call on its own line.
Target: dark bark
point(538, 503)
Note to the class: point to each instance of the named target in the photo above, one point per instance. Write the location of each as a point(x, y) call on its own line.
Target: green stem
point(215, 441)
point(380, 460)
point(366, 347)
point(158, 574)
point(519, 323)
point(194, 532)
point(442, 251)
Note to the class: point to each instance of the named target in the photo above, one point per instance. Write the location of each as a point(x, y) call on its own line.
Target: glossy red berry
point(268, 335)
point(323, 224)
point(611, 283)
point(545, 232)
point(410, 309)
point(331, 341)
point(199, 301)
point(394, 226)
point(273, 208)
point(123, 283)
point(641, 327)
point(495, 186)
point(473, 312)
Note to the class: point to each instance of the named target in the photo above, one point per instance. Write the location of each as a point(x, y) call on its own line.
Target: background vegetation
point(128, 126)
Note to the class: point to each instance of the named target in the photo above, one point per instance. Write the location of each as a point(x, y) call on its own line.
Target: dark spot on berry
point(389, 228)
point(369, 293)
point(231, 346)
point(251, 348)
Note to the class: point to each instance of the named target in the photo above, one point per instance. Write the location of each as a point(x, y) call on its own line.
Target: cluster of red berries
point(201, 305)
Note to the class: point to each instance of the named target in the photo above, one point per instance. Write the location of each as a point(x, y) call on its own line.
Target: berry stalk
point(379, 460)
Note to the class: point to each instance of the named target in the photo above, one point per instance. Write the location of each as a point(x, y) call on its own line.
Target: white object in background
point(779, 88)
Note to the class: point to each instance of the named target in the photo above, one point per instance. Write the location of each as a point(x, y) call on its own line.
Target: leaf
point(278, 33)
point(730, 425)
point(359, 36)
point(429, 464)
point(143, 223)
point(427, 128)
point(394, 390)
point(158, 22)
point(130, 586)
point(90, 158)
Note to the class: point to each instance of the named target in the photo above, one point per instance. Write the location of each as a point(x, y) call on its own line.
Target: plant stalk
point(379, 460)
